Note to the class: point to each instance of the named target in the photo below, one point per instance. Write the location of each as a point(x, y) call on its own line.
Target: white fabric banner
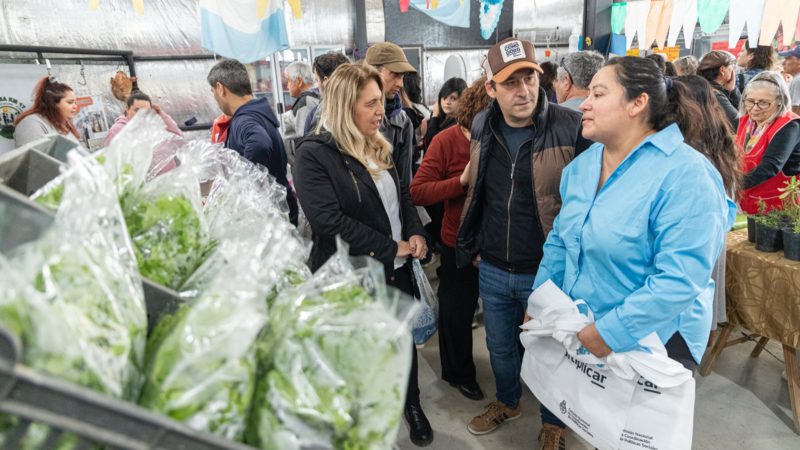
point(16, 95)
point(684, 15)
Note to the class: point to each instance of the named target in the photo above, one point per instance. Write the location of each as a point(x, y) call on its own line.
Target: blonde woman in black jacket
point(348, 186)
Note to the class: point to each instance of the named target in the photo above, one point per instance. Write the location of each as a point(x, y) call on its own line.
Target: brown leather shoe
point(495, 414)
point(552, 437)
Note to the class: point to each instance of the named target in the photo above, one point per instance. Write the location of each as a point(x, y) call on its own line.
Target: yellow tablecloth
point(763, 291)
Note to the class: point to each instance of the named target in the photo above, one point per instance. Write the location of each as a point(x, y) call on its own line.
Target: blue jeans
point(505, 299)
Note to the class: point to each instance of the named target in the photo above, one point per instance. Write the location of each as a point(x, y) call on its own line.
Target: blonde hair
point(341, 94)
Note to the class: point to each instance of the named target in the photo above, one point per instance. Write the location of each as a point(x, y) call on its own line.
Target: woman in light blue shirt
point(642, 223)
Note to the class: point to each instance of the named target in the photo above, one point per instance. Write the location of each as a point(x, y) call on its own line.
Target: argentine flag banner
point(246, 30)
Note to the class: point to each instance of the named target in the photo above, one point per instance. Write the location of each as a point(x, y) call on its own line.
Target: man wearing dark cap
point(397, 128)
point(518, 149)
point(719, 68)
point(791, 65)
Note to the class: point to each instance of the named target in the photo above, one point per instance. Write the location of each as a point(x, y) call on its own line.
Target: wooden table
point(763, 297)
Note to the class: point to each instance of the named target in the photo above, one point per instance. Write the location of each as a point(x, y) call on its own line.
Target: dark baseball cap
point(793, 52)
point(390, 56)
point(715, 59)
point(509, 56)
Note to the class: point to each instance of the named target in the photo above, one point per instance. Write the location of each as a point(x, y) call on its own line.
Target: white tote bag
point(633, 400)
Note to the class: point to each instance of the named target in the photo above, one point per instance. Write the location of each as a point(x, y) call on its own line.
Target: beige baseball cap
point(509, 56)
point(390, 56)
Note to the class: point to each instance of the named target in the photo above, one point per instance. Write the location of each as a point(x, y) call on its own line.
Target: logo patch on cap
point(511, 51)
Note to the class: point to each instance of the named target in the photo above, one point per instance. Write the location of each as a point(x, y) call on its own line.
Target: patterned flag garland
point(138, 6)
point(297, 12)
point(489, 16)
point(711, 14)
point(618, 10)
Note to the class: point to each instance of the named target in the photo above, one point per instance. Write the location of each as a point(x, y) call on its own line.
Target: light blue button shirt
point(640, 251)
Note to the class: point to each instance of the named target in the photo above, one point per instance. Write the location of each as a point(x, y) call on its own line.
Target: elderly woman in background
point(769, 133)
point(685, 65)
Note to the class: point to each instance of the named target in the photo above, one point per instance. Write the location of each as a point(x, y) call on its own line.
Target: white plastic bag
point(606, 401)
point(427, 319)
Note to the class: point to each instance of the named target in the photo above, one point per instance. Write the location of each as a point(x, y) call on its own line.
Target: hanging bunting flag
point(741, 13)
point(684, 15)
point(489, 16)
point(450, 12)
point(658, 23)
point(775, 13)
point(297, 13)
point(618, 17)
point(711, 14)
point(404, 5)
point(138, 6)
point(636, 21)
point(247, 30)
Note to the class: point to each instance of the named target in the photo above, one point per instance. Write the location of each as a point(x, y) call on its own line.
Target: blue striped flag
point(246, 30)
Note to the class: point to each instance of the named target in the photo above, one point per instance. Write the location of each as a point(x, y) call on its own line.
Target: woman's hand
point(419, 247)
point(591, 339)
point(403, 248)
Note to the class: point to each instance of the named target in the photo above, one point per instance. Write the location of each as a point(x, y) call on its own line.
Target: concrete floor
point(742, 404)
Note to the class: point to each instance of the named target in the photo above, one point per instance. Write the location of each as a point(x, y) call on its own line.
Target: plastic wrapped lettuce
point(335, 357)
point(74, 297)
point(161, 207)
point(241, 193)
point(201, 363)
point(167, 227)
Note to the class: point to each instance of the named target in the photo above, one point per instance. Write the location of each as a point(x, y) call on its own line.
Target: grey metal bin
point(35, 398)
point(95, 419)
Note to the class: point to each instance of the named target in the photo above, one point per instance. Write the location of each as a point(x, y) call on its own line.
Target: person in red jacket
point(439, 180)
point(769, 133)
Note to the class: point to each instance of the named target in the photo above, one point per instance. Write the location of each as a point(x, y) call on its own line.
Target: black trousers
point(458, 298)
point(401, 279)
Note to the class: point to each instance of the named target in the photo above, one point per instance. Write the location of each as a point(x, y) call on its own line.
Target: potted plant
point(769, 237)
point(790, 194)
point(791, 243)
point(751, 221)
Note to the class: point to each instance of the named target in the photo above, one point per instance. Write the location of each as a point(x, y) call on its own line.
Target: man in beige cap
point(397, 128)
point(518, 149)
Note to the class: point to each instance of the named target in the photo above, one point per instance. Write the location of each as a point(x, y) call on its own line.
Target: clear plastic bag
point(201, 361)
point(162, 209)
point(335, 362)
point(427, 319)
point(74, 296)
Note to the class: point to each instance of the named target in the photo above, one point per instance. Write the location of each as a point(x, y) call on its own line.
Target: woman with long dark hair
point(691, 97)
point(446, 104)
point(53, 109)
point(643, 221)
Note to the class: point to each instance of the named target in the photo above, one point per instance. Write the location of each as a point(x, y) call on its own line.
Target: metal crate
point(95, 419)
